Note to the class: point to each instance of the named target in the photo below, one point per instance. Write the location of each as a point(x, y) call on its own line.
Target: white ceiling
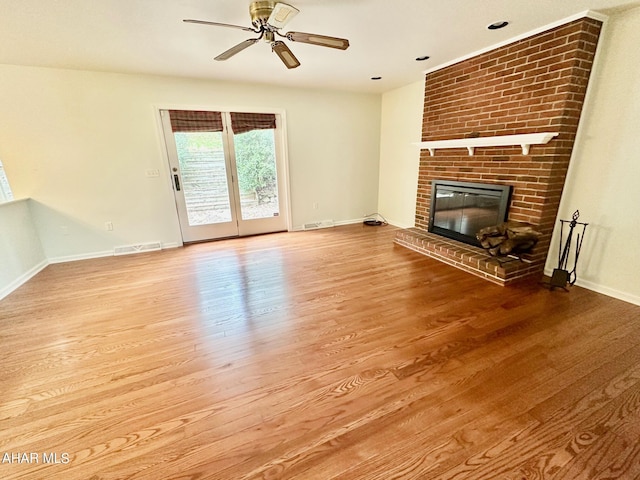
point(148, 36)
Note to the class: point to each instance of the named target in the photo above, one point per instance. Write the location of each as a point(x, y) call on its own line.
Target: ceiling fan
point(267, 18)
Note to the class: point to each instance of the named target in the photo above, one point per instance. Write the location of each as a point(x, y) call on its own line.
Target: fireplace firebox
point(460, 209)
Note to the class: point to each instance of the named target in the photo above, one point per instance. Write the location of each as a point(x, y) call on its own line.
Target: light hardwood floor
point(330, 354)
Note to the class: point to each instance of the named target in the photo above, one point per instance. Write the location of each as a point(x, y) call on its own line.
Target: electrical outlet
point(152, 172)
point(108, 226)
point(315, 205)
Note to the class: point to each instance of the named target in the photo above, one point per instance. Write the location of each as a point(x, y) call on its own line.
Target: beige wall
point(604, 176)
point(21, 254)
point(78, 143)
point(401, 127)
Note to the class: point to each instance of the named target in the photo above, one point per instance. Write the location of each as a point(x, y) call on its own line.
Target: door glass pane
point(204, 177)
point(257, 180)
point(5, 190)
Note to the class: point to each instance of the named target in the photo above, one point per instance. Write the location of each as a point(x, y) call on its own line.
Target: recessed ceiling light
point(422, 59)
point(498, 25)
point(376, 78)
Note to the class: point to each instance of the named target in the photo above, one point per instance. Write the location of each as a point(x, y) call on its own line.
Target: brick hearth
point(466, 257)
point(534, 85)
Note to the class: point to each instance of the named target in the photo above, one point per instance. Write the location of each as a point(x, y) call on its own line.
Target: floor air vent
point(316, 225)
point(143, 247)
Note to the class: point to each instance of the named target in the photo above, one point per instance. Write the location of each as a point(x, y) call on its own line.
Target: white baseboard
point(105, 253)
point(166, 246)
point(300, 228)
point(609, 292)
point(24, 278)
point(82, 256)
point(400, 224)
point(354, 221)
point(349, 222)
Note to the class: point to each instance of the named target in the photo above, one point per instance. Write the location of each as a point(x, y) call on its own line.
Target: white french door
point(227, 173)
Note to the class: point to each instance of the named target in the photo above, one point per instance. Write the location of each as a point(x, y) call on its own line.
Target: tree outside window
point(256, 163)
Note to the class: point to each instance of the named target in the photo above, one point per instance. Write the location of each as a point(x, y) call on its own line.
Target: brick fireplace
point(533, 85)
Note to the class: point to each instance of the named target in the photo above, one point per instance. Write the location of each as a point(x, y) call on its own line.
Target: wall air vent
point(143, 247)
point(317, 225)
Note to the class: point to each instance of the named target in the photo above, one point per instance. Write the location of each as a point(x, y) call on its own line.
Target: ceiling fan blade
point(281, 15)
point(217, 24)
point(287, 57)
point(322, 40)
point(237, 49)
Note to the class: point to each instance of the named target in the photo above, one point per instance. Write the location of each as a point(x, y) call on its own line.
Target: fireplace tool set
point(562, 276)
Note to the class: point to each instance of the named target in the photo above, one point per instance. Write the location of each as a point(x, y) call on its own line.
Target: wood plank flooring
point(328, 354)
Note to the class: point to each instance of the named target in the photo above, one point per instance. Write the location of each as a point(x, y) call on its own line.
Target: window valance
point(195, 121)
point(245, 122)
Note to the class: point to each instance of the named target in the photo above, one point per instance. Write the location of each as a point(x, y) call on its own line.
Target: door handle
point(176, 181)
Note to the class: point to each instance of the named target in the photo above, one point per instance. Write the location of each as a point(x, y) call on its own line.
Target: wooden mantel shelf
point(524, 140)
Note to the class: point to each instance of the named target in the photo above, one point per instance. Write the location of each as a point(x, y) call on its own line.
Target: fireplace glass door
point(460, 210)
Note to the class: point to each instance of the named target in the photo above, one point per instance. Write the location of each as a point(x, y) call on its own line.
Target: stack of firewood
point(509, 238)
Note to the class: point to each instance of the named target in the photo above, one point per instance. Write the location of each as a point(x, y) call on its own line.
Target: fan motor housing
point(260, 12)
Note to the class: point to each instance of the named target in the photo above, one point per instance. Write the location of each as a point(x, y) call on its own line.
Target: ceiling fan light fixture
point(287, 57)
point(281, 15)
point(259, 11)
